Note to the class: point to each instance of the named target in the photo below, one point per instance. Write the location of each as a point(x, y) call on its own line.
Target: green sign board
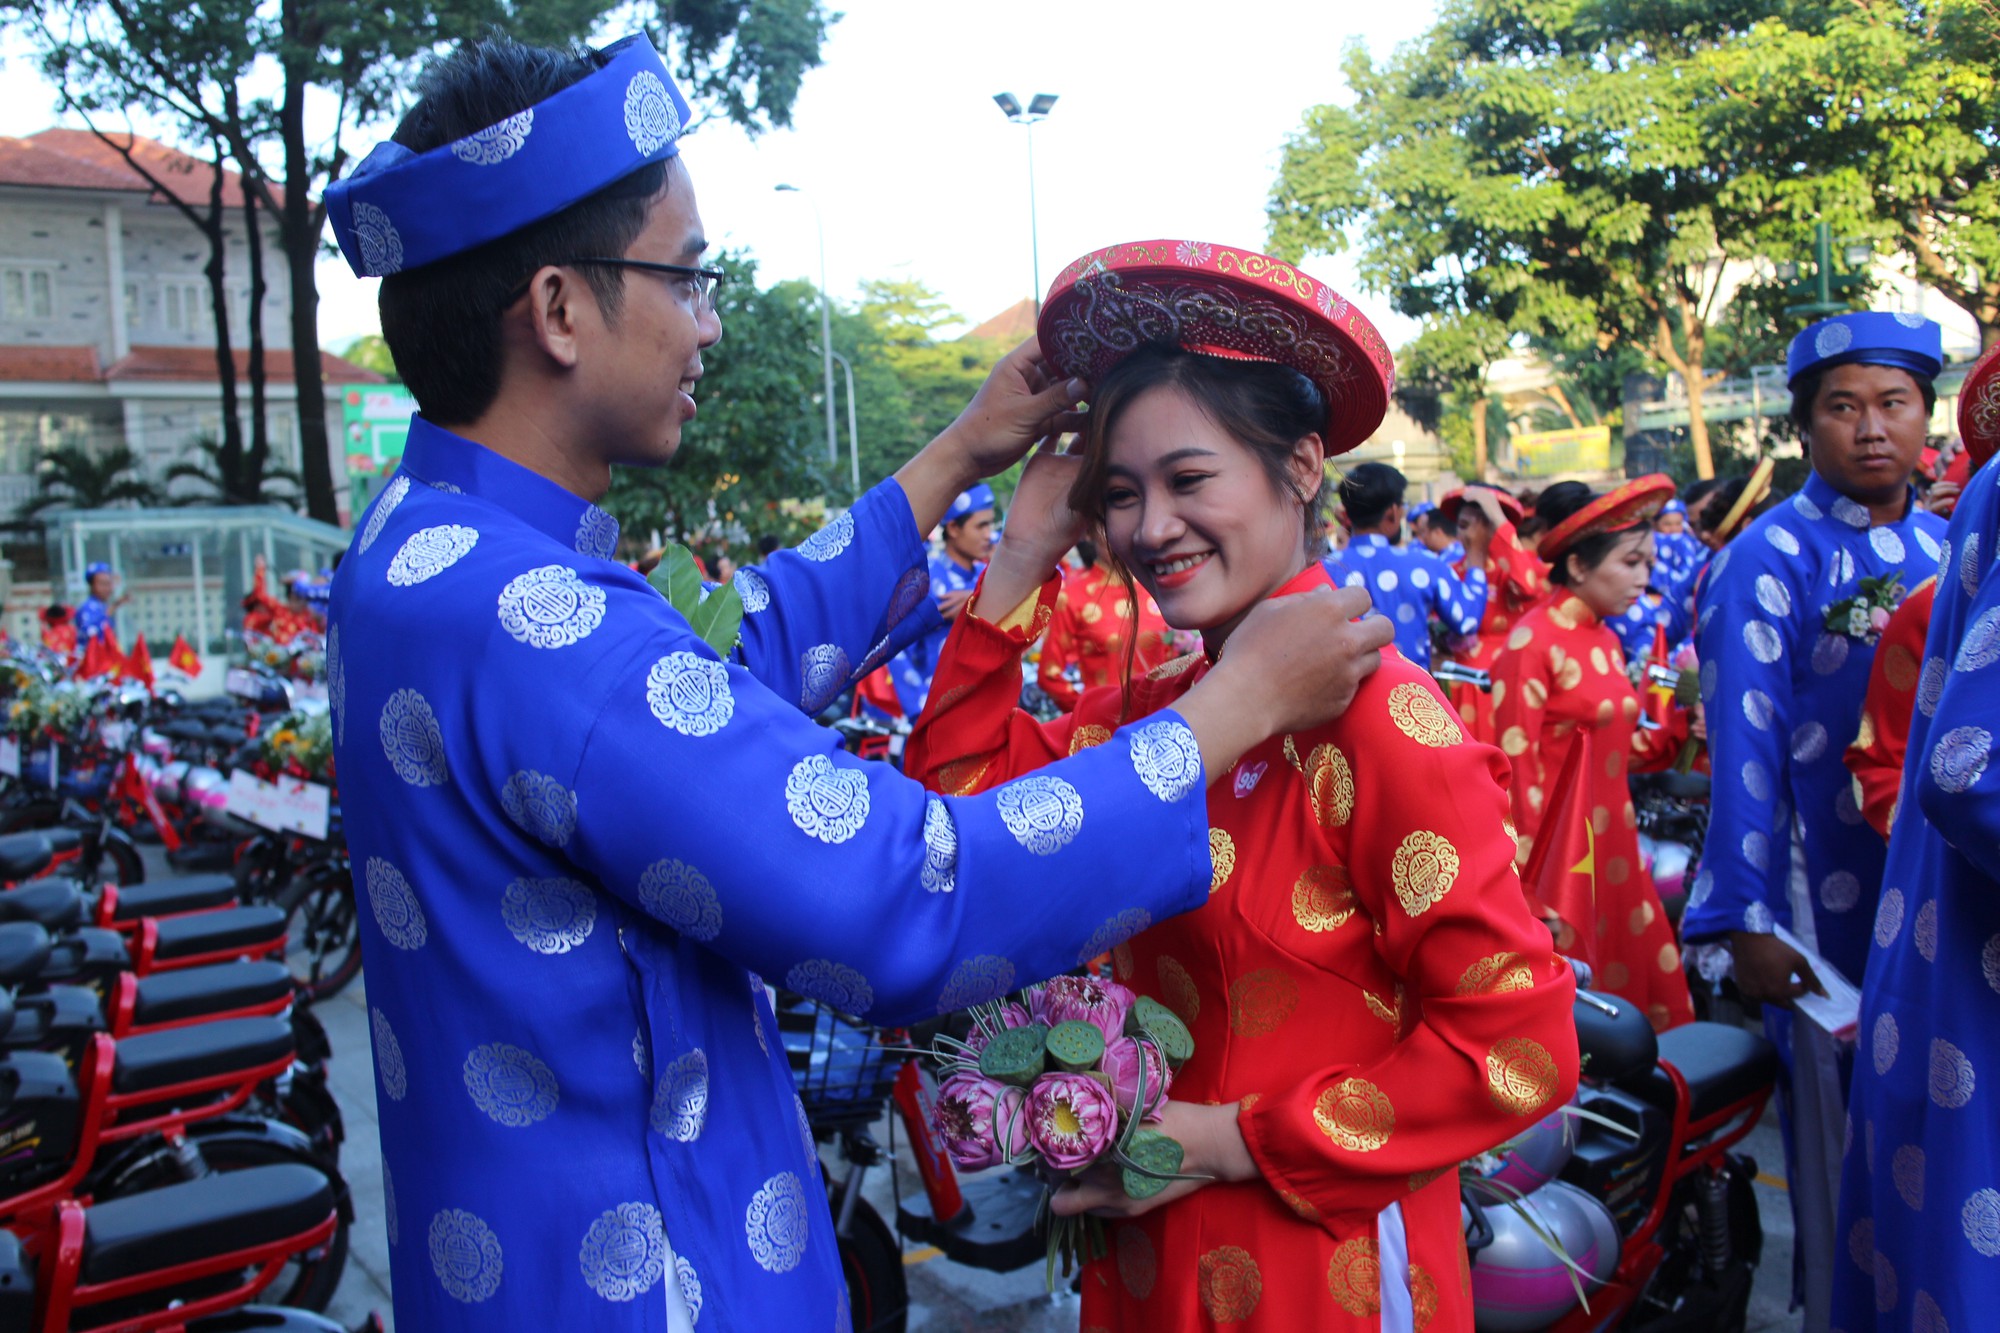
point(375, 420)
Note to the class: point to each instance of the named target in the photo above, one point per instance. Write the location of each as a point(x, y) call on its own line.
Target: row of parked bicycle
point(169, 1148)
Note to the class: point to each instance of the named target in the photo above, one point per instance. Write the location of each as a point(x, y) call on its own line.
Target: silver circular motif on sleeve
point(1886, 1041)
point(680, 1100)
point(823, 673)
point(596, 533)
point(1960, 758)
point(755, 592)
point(975, 981)
point(681, 896)
point(429, 552)
point(465, 1255)
point(1923, 930)
point(1757, 850)
point(1840, 891)
point(1887, 545)
point(826, 801)
point(510, 1085)
point(1762, 641)
point(550, 607)
point(1952, 1077)
point(690, 1286)
point(1930, 688)
point(1852, 514)
point(392, 495)
point(1980, 1219)
point(550, 916)
point(540, 805)
point(389, 1065)
point(1981, 646)
point(690, 694)
point(1773, 596)
point(1809, 742)
point(1829, 653)
point(908, 596)
point(1807, 509)
point(830, 540)
point(1114, 932)
point(412, 740)
point(834, 984)
point(1757, 709)
point(776, 1222)
point(1782, 539)
point(940, 872)
point(624, 1253)
point(1968, 565)
point(1043, 813)
point(1756, 781)
point(1166, 758)
point(1928, 545)
point(1889, 917)
point(398, 914)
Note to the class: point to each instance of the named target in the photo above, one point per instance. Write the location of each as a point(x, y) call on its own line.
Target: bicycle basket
point(842, 1075)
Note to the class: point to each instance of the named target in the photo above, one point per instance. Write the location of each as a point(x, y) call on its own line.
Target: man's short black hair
point(1369, 491)
point(442, 321)
point(1435, 520)
point(1805, 393)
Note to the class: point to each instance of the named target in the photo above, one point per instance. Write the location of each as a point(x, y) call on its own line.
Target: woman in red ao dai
point(1370, 998)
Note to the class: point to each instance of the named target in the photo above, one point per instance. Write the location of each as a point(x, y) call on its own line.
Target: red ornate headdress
point(1222, 302)
point(1449, 502)
point(1623, 507)
point(1979, 408)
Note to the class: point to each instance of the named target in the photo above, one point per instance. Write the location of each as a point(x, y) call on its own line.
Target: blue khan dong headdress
point(1868, 338)
point(970, 502)
point(400, 210)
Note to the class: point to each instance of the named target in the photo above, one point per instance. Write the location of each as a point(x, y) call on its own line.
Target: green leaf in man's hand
point(717, 618)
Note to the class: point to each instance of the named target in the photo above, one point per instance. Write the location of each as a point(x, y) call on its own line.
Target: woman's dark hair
point(1557, 503)
point(1369, 492)
point(442, 321)
point(1724, 497)
point(1265, 407)
point(1805, 395)
point(1086, 551)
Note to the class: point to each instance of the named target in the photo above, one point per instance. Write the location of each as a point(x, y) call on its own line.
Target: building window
point(27, 293)
point(186, 306)
point(131, 305)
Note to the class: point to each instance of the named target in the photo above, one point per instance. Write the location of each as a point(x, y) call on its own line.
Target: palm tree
point(82, 478)
point(204, 465)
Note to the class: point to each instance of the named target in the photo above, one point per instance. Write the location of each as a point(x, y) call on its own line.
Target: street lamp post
point(825, 319)
point(1825, 284)
point(853, 433)
point(1037, 109)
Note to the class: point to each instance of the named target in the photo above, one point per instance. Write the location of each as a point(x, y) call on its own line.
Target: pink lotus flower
point(982, 1123)
point(1878, 619)
point(1121, 1064)
point(1072, 1120)
point(1011, 1016)
point(1103, 1003)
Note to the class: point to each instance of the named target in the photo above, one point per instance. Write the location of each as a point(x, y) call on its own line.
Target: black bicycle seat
point(168, 897)
point(24, 951)
point(1721, 1063)
point(1614, 1037)
point(210, 932)
point(53, 904)
point(167, 997)
point(202, 1219)
point(24, 854)
point(205, 1050)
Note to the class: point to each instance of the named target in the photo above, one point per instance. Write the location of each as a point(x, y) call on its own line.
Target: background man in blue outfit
point(581, 833)
point(1407, 583)
point(93, 615)
point(1784, 684)
point(968, 539)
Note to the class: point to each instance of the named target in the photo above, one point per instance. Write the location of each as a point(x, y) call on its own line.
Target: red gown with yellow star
point(1515, 581)
point(1366, 982)
point(1560, 681)
point(1091, 628)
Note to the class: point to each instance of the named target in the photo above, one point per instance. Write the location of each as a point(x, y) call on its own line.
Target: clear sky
point(1169, 124)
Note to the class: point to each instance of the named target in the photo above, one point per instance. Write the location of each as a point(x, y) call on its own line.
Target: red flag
point(98, 658)
point(183, 658)
point(139, 666)
point(1561, 873)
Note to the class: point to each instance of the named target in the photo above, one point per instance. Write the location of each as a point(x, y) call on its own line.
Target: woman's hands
point(1214, 1146)
point(1041, 527)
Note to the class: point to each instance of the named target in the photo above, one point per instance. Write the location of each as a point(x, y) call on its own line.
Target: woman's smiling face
point(1196, 517)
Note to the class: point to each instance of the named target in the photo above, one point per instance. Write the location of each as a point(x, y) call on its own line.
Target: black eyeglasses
point(705, 280)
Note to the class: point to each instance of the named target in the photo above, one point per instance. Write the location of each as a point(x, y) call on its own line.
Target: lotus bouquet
point(1063, 1077)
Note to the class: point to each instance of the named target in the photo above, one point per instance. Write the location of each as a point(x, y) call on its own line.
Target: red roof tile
point(198, 363)
point(70, 365)
point(1013, 324)
point(79, 160)
point(25, 162)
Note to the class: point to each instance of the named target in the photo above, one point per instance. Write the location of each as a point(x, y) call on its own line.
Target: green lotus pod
point(1076, 1046)
point(1164, 1026)
point(1016, 1056)
point(1157, 1158)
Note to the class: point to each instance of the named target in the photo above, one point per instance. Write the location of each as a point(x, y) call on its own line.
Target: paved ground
point(944, 1297)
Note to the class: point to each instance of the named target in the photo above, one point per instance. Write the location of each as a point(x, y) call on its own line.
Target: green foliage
point(715, 617)
point(224, 479)
point(371, 352)
point(78, 477)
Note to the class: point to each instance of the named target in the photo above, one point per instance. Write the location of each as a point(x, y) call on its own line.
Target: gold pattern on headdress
point(1330, 783)
point(1260, 1002)
point(1177, 990)
point(1534, 692)
point(1229, 1283)
point(1355, 1114)
point(1390, 1011)
point(1423, 1298)
point(1299, 1204)
point(1138, 1265)
point(961, 777)
point(1088, 735)
point(1323, 899)
point(1172, 667)
point(1354, 1276)
point(1121, 961)
point(1497, 974)
point(1418, 715)
point(1222, 856)
point(1423, 870)
point(1520, 1075)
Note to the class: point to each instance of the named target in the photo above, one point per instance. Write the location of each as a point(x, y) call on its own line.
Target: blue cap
point(1674, 506)
point(970, 502)
point(94, 568)
point(400, 210)
point(1868, 338)
point(1420, 508)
